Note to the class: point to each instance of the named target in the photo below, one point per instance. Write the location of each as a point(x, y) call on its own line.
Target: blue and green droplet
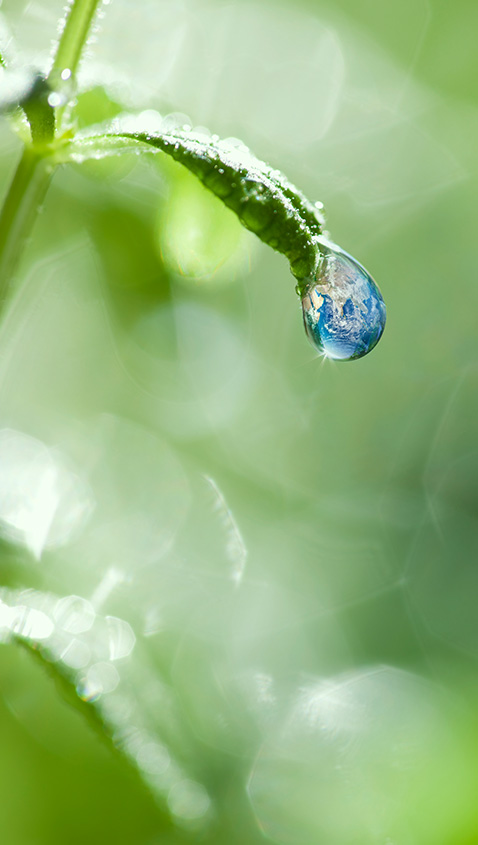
point(344, 313)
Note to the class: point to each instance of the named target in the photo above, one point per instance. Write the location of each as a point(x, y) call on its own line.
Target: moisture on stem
point(73, 38)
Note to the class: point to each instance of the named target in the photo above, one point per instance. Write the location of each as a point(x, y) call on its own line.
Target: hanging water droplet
point(344, 313)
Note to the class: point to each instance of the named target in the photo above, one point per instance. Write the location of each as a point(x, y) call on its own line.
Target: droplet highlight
point(343, 309)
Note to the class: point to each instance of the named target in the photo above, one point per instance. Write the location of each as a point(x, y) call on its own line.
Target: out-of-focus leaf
point(89, 657)
point(200, 240)
point(94, 106)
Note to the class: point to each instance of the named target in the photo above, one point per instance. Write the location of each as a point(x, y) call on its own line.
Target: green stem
point(34, 170)
point(24, 197)
point(73, 38)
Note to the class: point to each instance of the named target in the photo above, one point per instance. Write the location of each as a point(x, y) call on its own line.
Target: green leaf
point(200, 240)
point(263, 198)
point(99, 666)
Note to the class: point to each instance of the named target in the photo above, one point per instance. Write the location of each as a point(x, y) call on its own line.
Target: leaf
point(90, 658)
point(263, 198)
point(201, 241)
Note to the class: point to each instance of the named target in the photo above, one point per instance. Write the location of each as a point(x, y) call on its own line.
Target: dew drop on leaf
point(344, 313)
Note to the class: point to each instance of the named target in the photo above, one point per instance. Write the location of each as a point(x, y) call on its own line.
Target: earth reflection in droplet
point(344, 313)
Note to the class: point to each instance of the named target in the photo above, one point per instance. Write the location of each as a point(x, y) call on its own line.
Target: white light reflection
point(236, 550)
point(264, 684)
point(152, 622)
point(74, 614)
point(153, 758)
point(362, 740)
point(259, 693)
point(118, 708)
point(25, 622)
point(76, 655)
point(100, 679)
point(5, 620)
point(111, 579)
point(42, 503)
point(188, 800)
point(121, 638)
point(330, 707)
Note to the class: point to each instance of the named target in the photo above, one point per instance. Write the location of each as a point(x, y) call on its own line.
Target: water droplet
point(55, 99)
point(188, 800)
point(74, 614)
point(153, 758)
point(100, 679)
point(121, 638)
point(76, 654)
point(344, 313)
point(30, 623)
point(66, 74)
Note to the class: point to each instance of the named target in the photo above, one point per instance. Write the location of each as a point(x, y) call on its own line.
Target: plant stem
point(24, 197)
point(73, 38)
point(34, 170)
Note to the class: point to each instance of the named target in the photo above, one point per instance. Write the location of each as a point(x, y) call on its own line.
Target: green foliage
point(253, 577)
point(263, 199)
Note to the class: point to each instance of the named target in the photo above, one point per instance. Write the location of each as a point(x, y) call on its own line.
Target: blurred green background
point(287, 547)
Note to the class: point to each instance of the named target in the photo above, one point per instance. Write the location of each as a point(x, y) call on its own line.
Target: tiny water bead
point(344, 313)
